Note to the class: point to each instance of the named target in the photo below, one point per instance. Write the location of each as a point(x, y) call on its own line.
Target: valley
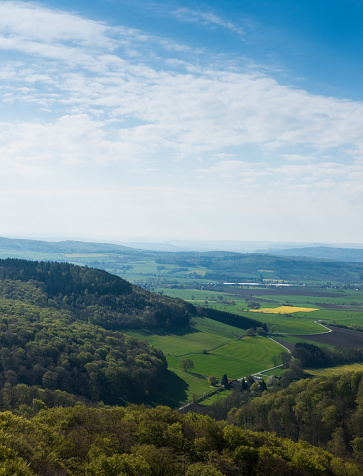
point(290, 313)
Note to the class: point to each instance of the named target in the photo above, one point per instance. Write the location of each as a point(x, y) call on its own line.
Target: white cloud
point(32, 23)
point(70, 139)
point(188, 113)
point(77, 92)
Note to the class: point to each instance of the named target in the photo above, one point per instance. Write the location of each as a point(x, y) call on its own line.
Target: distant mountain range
point(308, 264)
point(348, 255)
point(348, 252)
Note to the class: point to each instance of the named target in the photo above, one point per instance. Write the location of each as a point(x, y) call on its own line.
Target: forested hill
point(138, 441)
point(92, 295)
point(48, 338)
point(325, 411)
point(60, 330)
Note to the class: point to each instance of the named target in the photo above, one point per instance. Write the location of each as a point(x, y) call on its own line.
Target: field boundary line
point(211, 351)
point(315, 333)
point(318, 322)
point(289, 351)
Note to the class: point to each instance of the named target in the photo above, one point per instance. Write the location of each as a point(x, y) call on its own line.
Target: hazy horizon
point(225, 245)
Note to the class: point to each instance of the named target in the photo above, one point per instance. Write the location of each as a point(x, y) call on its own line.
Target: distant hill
point(237, 267)
point(60, 246)
point(309, 265)
point(349, 255)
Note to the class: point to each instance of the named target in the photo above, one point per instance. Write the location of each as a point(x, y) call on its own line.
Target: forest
point(96, 296)
point(326, 412)
point(136, 441)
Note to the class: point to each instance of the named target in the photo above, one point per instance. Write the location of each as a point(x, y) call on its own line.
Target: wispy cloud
point(205, 18)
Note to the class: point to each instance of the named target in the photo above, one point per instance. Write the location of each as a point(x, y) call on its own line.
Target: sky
point(163, 120)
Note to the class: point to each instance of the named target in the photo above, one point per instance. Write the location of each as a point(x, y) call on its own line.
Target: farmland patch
point(341, 338)
point(285, 309)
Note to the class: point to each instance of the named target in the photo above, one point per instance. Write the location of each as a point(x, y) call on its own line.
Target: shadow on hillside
point(179, 331)
point(173, 393)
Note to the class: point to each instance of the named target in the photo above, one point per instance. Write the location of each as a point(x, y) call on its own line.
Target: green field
point(215, 349)
point(217, 396)
point(346, 321)
point(202, 334)
point(287, 325)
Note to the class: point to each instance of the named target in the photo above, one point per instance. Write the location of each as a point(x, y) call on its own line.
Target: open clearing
point(202, 334)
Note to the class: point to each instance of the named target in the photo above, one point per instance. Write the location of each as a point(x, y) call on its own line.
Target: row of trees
point(311, 355)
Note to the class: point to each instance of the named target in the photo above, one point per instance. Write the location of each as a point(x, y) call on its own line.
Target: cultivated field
point(342, 338)
point(284, 310)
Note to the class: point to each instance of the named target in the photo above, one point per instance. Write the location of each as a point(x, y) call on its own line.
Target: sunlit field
point(284, 310)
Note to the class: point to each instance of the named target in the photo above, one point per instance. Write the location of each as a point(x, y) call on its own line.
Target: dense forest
point(49, 348)
point(94, 296)
point(138, 441)
point(48, 336)
point(325, 411)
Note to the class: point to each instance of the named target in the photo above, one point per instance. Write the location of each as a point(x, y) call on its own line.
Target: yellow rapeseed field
point(284, 309)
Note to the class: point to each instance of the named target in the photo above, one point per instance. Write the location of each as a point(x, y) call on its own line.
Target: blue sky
point(162, 120)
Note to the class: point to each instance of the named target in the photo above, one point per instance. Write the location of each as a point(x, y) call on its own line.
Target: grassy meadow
point(215, 349)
